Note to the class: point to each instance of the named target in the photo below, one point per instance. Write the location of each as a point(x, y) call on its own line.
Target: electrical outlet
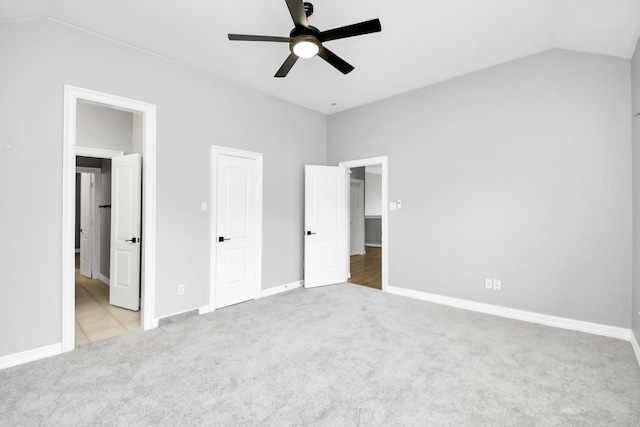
point(180, 289)
point(497, 285)
point(488, 283)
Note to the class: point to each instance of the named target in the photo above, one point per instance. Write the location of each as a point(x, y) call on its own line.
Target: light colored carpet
point(342, 355)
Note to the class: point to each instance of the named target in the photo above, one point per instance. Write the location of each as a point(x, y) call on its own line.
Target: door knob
point(222, 239)
point(310, 233)
point(133, 240)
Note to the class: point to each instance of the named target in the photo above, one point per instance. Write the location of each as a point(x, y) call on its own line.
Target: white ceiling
point(422, 41)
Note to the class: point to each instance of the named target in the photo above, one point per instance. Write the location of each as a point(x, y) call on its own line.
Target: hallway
point(96, 319)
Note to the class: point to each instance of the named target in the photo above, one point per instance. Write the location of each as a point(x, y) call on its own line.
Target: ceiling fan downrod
point(308, 9)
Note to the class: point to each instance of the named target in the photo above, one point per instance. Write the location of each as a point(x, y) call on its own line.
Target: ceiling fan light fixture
point(306, 47)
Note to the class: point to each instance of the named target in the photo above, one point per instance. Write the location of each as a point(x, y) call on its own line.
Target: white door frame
point(213, 239)
point(95, 218)
point(72, 95)
point(359, 237)
point(384, 161)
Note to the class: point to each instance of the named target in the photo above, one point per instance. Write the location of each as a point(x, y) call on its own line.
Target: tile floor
point(95, 319)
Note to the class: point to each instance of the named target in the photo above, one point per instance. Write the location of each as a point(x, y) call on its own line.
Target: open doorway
point(365, 219)
point(368, 222)
point(146, 121)
point(96, 318)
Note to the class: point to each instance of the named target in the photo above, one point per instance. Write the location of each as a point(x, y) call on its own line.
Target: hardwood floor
point(366, 269)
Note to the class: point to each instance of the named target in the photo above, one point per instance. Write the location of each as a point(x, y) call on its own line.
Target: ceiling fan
point(306, 41)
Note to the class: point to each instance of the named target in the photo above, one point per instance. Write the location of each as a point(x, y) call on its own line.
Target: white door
point(326, 244)
point(236, 239)
point(86, 243)
point(124, 289)
point(356, 217)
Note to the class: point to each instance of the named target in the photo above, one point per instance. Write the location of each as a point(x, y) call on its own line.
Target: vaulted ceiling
point(422, 41)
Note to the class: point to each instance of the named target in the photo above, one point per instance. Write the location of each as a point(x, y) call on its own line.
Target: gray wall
point(137, 133)
point(373, 231)
point(521, 172)
point(635, 312)
point(195, 111)
point(373, 209)
point(373, 195)
point(102, 127)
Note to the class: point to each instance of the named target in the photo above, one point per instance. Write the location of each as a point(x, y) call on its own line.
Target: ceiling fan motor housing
point(304, 34)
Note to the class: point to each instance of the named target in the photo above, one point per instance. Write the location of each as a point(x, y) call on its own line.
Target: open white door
point(237, 229)
point(124, 289)
point(326, 245)
point(86, 243)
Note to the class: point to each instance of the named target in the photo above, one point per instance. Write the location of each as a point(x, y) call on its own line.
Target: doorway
point(369, 268)
point(147, 112)
point(96, 318)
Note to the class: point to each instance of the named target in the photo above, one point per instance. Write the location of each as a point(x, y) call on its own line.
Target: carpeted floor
point(342, 355)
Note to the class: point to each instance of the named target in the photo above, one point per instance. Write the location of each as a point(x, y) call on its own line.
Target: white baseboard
point(178, 313)
point(373, 245)
point(30, 355)
point(203, 310)
point(527, 316)
point(279, 289)
point(104, 279)
point(636, 347)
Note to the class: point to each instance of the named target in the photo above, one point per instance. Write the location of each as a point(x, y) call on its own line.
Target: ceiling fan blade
point(366, 27)
point(343, 66)
point(299, 16)
point(251, 38)
point(288, 63)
